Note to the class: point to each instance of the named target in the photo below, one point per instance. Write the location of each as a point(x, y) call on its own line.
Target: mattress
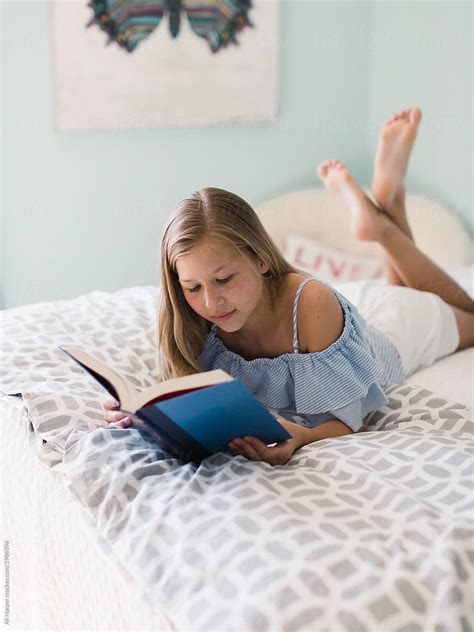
point(61, 579)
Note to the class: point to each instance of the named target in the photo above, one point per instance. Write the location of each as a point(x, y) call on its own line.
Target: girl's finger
point(124, 423)
point(111, 417)
point(246, 449)
point(110, 404)
point(274, 455)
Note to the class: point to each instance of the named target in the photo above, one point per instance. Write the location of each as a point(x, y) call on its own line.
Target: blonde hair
point(220, 217)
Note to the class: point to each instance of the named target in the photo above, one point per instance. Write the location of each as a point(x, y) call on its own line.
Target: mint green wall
point(84, 211)
point(422, 53)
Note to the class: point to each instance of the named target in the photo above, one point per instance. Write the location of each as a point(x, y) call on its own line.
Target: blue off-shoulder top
point(344, 381)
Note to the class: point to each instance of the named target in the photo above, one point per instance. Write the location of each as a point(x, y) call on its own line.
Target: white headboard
point(316, 214)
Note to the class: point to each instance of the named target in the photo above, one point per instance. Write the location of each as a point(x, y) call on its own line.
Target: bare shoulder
point(320, 318)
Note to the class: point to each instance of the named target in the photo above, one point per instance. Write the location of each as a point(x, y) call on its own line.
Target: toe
point(346, 174)
point(415, 115)
point(322, 170)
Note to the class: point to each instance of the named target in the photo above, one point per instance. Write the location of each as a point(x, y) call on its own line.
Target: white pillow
point(329, 265)
point(464, 276)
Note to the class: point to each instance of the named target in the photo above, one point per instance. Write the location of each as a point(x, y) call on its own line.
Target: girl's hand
point(255, 450)
point(119, 418)
point(112, 416)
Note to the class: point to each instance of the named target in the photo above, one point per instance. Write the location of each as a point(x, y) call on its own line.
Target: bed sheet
point(63, 578)
point(451, 377)
point(365, 532)
point(394, 522)
point(362, 532)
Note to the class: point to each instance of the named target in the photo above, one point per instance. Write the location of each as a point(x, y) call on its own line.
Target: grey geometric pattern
point(367, 532)
point(62, 401)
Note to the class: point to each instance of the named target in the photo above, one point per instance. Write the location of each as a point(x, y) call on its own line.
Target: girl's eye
point(198, 287)
point(226, 280)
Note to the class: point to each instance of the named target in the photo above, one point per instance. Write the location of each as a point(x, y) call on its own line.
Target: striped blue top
point(343, 381)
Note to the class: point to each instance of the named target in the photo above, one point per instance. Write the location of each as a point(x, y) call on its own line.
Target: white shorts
point(420, 324)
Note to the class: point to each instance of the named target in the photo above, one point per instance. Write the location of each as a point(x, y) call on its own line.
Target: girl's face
point(221, 284)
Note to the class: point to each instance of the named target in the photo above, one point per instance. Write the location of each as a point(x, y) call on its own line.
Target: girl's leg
point(416, 269)
point(397, 212)
point(413, 266)
point(396, 141)
point(398, 217)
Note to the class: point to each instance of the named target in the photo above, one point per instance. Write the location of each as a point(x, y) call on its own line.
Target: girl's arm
point(330, 428)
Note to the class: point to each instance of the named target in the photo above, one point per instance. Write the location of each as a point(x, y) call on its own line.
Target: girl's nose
point(212, 299)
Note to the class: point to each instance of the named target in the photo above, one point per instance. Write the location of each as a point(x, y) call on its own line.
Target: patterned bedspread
point(372, 531)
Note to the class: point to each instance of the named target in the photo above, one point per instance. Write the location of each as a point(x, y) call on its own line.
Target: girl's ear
point(263, 268)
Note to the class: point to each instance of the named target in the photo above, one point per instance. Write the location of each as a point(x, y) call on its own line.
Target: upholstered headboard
point(316, 214)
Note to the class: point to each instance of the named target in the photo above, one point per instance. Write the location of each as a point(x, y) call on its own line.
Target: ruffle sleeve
point(354, 413)
point(344, 379)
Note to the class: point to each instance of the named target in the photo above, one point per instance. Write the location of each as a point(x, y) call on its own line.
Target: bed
point(107, 531)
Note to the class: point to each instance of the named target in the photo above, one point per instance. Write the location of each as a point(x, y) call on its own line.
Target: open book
point(191, 416)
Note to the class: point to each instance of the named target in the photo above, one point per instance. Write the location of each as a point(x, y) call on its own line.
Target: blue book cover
point(191, 416)
point(202, 422)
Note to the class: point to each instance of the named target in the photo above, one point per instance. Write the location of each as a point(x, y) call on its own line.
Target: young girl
point(230, 300)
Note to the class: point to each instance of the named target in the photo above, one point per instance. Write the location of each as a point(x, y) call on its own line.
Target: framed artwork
point(122, 64)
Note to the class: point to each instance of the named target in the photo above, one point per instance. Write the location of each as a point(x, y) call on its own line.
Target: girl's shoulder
point(310, 295)
point(319, 314)
point(289, 287)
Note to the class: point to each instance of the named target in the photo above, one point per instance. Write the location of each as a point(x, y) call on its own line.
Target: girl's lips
point(224, 316)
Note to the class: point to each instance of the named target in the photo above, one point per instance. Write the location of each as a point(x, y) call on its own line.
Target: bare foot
point(367, 220)
point(391, 160)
